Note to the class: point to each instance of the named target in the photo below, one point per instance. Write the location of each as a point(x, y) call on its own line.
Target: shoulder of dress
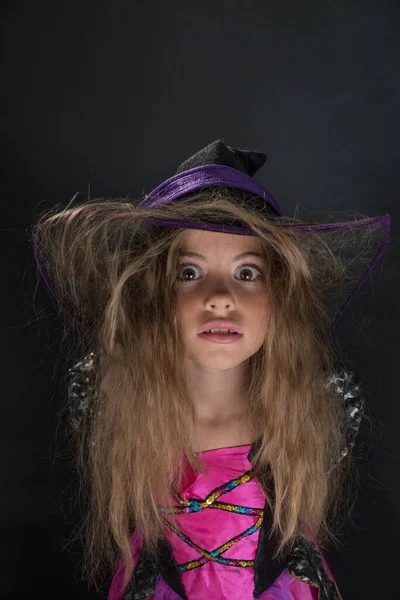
point(348, 385)
point(81, 389)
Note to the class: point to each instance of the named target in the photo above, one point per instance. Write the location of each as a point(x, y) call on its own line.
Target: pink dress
point(218, 516)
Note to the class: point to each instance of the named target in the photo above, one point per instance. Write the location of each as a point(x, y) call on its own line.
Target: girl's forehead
point(205, 241)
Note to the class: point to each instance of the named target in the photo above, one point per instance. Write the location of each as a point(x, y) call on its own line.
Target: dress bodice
point(216, 538)
point(218, 516)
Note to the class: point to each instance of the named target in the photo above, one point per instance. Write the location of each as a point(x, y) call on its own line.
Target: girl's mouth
point(221, 338)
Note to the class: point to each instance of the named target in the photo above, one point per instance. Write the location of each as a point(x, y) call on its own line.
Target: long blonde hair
point(114, 275)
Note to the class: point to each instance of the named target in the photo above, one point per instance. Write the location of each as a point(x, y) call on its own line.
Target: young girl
point(212, 412)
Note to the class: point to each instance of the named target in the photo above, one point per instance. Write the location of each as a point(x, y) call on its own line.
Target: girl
point(212, 412)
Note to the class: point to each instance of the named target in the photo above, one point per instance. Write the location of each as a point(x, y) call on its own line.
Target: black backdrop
point(107, 98)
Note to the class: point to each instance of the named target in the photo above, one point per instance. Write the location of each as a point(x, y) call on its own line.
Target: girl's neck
point(231, 431)
point(217, 395)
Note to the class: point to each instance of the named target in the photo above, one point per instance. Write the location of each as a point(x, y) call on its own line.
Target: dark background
point(108, 98)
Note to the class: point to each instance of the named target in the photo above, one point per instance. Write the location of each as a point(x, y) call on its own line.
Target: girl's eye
point(187, 268)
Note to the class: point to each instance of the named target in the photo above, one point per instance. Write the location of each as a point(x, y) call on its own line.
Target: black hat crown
point(218, 153)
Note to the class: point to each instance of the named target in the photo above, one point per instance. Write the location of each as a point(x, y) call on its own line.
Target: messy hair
point(114, 276)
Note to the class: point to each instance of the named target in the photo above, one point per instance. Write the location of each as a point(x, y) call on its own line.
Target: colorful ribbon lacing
point(192, 505)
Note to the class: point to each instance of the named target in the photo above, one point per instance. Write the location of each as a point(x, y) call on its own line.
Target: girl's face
point(220, 285)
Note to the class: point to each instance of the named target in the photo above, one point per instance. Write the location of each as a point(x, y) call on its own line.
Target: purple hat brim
point(211, 175)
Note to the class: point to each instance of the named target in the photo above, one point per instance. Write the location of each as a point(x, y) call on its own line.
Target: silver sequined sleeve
point(348, 386)
point(81, 390)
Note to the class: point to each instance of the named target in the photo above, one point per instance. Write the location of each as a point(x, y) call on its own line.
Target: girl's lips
point(221, 338)
point(220, 324)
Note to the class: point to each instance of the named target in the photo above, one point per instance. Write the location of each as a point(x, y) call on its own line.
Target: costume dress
point(221, 549)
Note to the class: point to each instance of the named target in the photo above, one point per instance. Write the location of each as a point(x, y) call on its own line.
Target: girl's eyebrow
point(195, 255)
